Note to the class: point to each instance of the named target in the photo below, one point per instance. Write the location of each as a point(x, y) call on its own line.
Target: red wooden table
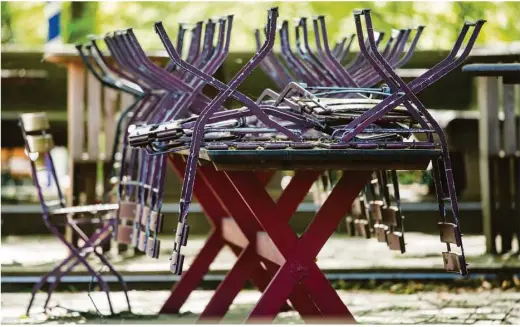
point(230, 186)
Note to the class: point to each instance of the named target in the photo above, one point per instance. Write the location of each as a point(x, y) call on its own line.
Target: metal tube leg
point(88, 244)
point(102, 283)
point(35, 290)
point(105, 261)
point(57, 280)
point(200, 265)
point(44, 279)
point(118, 276)
point(109, 302)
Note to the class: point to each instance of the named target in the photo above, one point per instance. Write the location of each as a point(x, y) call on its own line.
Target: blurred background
point(40, 71)
point(24, 23)
point(30, 83)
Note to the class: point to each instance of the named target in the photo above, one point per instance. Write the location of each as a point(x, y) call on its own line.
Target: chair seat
point(95, 208)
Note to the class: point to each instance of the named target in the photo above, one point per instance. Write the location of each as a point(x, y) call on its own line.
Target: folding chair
point(38, 144)
point(153, 168)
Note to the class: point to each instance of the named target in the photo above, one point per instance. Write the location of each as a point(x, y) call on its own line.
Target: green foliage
point(414, 177)
point(26, 22)
point(7, 33)
point(78, 21)
point(443, 20)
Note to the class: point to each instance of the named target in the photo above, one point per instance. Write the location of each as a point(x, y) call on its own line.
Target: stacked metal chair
point(162, 94)
point(346, 111)
point(38, 145)
point(323, 72)
point(136, 178)
point(322, 102)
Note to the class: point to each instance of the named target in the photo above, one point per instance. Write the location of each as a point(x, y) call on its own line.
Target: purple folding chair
point(38, 145)
point(142, 176)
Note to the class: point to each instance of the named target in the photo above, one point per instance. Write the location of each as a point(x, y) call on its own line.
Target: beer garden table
point(231, 189)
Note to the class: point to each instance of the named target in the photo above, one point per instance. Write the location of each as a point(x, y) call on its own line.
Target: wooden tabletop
point(322, 159)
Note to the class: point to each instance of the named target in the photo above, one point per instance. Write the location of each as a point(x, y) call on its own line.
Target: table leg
point(288, 203)
point(299, 253)
point(194, 275)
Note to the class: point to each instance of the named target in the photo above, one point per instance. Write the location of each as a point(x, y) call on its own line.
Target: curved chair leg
point(54, 285)
point(44, 279)
point(58, 274)
point(58, 277)
point(35, 290)
point(98, 242)
point(114, 272)
point(109, 302)
point(104, 286)
point(119, 278)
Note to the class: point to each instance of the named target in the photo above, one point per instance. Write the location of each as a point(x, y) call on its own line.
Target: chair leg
point(44, 279)
point(58, 277)
point(35, 290)
point(90, 269)
point(57, 280)
point(118, 276)
point(109, 302)
point(95, 241)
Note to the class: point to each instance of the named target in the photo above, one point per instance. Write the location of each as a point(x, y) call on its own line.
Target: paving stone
point(513, 321)
point(456, 312)
point(505, 305)
point(515, 311)
point(13, 307)
point(373, 320)
point(496, 316)
point(400, 320)
point(421, 313)
point(484, 322)
point(490, 310)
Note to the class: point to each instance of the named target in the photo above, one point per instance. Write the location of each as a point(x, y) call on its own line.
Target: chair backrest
point(38, 145)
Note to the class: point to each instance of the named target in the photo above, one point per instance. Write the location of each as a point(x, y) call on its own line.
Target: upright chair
point(38, 145)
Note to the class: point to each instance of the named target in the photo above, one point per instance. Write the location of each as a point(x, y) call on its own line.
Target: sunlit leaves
point(443, 20)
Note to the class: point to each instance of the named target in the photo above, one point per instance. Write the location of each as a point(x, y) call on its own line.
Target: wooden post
point(75, 131)
point(510, 145)
point(489, 144)
point(94, 116)
point(110, 104)
point(508, 196)
point(75, 125)
point(516, 169)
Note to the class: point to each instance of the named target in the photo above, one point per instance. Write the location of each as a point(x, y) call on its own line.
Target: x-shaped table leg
point(215, 242)
point(249, 227)
point(298, 266)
